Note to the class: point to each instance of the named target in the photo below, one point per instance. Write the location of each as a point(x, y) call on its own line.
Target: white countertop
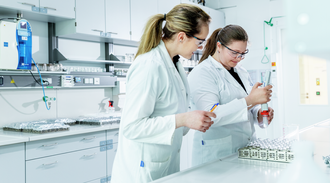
point(235, 170)
point(230, 169)
point(11, 137)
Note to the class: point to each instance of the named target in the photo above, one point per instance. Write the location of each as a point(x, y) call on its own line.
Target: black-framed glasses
point(236, 54)
point(199, 42)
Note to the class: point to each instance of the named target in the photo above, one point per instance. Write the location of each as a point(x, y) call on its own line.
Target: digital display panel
point(23, 25)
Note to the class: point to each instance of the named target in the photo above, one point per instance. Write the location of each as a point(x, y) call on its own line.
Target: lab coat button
point(249, 139)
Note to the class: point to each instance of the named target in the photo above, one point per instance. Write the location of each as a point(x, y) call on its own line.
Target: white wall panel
point(25, 105)
point(73, 103)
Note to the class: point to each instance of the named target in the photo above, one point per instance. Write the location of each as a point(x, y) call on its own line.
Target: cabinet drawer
point(12, 163)
point(79, 166)
point(48, 147)
point(112, 136)
point(111, 153)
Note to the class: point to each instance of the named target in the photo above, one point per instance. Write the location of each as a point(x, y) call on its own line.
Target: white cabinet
point(20, 5)
point(166, 6)
point(59, 8)
point(112, 139)
point(218, 20)
point(49, 147)
point(79, 166)
point(105, 18)
point(90, 17)
point(118, 19)
point(111, 153)
point(12, 163)
point(141, 11)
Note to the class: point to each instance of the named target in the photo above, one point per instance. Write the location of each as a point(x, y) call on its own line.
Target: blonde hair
point(182, 18)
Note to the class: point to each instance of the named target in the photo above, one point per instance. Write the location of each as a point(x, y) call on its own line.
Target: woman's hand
point(198, 120)
point(259, 95)
point(270, 115)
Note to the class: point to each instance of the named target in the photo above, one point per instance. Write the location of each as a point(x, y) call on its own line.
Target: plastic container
point(290, 131)
point(303, 169)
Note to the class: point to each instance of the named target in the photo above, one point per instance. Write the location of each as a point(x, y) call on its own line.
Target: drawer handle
point(29, 4)
point(49, 145)
point(96, 30)
point(89, 138)
point(48, 164)
point(112, 32)
point(50, 8)
point(90, 155)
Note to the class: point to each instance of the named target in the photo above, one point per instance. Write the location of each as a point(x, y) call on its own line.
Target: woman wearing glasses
point(219, 78)
point(156, 114)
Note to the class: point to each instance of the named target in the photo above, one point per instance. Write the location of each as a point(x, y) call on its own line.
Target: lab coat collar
point(168, 59)
point(181, 75)
point(242, 73)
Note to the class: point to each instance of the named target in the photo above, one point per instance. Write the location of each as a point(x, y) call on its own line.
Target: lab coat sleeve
point(254, 112)
point(144, 88)
point(204, 88)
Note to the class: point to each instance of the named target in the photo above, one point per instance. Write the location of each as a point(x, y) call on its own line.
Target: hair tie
point(165, 16)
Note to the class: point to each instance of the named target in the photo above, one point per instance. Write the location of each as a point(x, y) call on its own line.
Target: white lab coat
point(233, 128)
point(156, 91)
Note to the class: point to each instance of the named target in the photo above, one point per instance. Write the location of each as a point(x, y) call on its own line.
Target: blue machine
point(15, 45)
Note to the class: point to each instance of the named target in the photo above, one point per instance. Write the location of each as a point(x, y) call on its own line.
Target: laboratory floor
point(234, 170)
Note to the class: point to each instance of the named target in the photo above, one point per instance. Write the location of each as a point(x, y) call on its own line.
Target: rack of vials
point(268, 150)
point(326, 160)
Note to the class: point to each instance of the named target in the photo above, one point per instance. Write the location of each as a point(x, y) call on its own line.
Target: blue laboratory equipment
point(15, 45)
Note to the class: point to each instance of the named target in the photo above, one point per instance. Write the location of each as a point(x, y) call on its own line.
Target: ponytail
point(210, 46)
point(152, 34)
point(185, 18)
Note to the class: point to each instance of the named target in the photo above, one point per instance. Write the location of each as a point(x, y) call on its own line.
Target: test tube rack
point(268, 150)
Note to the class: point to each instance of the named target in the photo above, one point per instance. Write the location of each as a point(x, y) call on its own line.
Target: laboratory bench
point(84, 153)
point(235, 170)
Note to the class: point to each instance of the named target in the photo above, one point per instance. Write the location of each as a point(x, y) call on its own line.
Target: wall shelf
point(25, 72)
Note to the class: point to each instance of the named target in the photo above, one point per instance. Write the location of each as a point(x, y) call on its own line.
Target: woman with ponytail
point(219, 78)
point(156, 114)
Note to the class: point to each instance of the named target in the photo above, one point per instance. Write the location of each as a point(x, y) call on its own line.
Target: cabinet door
point(79, 166)
point(166, 6)
point(111, 153)
point(12, 163)
point(141, 11)
point(218, 21)
point(118, 19)
point(90, 17)
point(60, 8)
point(20, 5)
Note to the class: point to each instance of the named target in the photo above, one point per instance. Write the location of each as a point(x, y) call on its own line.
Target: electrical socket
point(47, 81)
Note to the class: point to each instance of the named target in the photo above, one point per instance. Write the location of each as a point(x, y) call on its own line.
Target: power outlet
point(47, 81)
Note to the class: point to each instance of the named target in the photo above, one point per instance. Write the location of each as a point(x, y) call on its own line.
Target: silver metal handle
point(50, 8)
point(29, 4)
point(90, 155)
point(89, 138)
point(49, 145)
point(112, 32)
point(96, 30)
point(48, 164)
